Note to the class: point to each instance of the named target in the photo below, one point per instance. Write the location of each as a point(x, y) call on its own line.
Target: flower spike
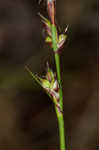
point(60, 39)
point(50, 84)
point(51, 10)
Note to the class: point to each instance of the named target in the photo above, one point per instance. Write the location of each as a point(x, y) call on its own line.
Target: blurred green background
point(27, 117)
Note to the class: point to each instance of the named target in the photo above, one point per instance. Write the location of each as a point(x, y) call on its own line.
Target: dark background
point(27, 117)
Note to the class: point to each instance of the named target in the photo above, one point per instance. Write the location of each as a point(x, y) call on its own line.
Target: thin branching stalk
point(58, 69)
point(59, 114)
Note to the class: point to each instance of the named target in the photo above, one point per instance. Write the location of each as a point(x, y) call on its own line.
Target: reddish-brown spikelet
point(51, 10)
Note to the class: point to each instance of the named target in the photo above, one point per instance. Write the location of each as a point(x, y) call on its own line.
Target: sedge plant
point(51, 82)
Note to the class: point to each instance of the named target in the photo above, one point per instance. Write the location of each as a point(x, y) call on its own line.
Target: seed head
point(51, 10)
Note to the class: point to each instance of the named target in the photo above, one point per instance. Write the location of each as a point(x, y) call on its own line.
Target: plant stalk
point(57, 61)
point(59, 114)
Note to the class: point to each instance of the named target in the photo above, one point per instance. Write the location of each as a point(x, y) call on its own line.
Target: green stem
point(59, 114)
point(57, 61)
point(61, 132)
